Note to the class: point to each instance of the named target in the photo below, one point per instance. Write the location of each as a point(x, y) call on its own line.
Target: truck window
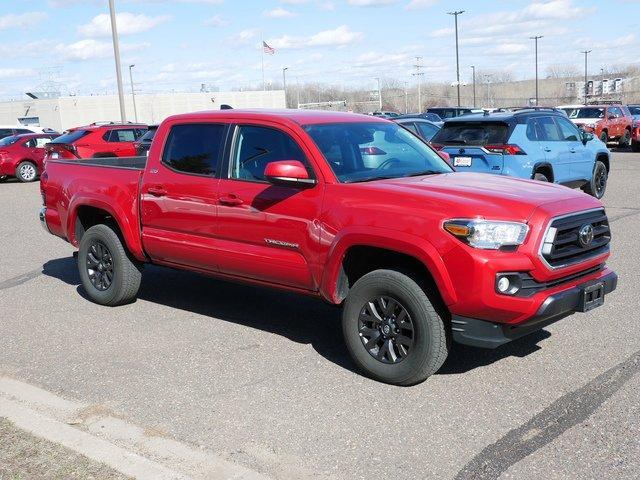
point(255, 147)
point(194, 148)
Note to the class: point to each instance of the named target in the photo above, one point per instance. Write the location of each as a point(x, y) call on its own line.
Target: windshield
point(584, 112)
point(8, 140)
point(635, 110)
point(472, 133)
point(359, 152)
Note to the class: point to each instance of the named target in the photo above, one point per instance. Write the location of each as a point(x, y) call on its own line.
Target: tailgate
point(474, 159)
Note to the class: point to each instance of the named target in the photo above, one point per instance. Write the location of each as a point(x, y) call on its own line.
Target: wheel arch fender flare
point(129, 230)
point(417, 247)
point(542, 166)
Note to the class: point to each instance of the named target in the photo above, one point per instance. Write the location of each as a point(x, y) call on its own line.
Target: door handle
point(231, 200)
point(546, 149)
point(157, 191)
point(572, 150)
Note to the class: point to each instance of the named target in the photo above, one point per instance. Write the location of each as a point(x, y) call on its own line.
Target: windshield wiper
point(424, 172)
point(370, 179)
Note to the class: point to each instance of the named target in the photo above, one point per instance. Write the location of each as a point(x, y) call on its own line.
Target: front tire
point(541, 177)
point(604, 136)
point(109, 276)
point(598, 183)
point(26, 171)
point(625, 140)
point(392, 330)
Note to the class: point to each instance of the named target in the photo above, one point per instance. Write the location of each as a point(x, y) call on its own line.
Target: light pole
point(116, 53)
point(284, 85)
point(535, 39)
point(473, 68)
point(487, 79)
point(455, 14)
point(586, 89)
point(419, 74)
point(406, 98)
point(379, 94)
point(133, 94)
point(602, 83)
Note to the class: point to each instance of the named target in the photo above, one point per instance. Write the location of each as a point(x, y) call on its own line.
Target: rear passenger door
point(179, 197)
point(556, 153)
point(121, 142)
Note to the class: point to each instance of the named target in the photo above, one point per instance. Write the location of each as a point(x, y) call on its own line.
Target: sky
point(180, 44)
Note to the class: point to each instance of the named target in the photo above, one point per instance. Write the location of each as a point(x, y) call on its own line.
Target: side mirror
point(288, 173)
point(587, 137)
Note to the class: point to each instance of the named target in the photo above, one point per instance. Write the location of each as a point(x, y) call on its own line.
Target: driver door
point(266, 232)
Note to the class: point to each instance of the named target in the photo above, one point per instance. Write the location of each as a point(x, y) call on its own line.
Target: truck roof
point(301, 117)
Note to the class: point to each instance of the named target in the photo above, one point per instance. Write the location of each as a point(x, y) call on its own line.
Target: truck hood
point(462, 194)
point(585, 121)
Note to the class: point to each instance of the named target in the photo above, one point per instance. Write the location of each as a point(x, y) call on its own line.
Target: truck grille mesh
point(562, 247)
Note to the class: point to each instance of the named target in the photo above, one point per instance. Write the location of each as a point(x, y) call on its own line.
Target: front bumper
point(485, 334)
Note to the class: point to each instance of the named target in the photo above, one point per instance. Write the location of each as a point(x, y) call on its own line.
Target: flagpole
point(264, 88)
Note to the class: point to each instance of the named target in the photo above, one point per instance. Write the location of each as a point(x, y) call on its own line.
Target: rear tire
point(401, 341)
point(26, 171)
point(598, 183)
point(541, 177)
point(109, 275)
point(625, 140)
point(604, 137)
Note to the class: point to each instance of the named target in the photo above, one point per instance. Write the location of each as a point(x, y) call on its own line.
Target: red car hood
point(486, 195)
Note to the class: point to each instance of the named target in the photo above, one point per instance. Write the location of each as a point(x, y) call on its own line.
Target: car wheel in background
point(635, 146)
point(604, 137)
point(541, 177)
point(598, 183)
point(3, 178)
point(109, 275)
point(392, 330)
point(26, 171)
point(625, 140)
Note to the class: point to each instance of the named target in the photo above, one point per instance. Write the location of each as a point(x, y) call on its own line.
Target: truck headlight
point(487, 234)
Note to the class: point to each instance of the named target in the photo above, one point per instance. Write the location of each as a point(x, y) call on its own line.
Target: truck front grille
point(567, 240)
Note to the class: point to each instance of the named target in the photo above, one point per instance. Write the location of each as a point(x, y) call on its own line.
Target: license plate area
point(592, 297)
point(462, 161)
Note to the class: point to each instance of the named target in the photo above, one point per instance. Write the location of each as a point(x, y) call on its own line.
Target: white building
point(66, 112)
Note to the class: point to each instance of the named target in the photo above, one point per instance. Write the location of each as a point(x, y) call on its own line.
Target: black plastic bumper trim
point(485, 334)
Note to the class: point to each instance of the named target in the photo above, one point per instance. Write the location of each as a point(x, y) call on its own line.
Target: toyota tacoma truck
point(417, 255)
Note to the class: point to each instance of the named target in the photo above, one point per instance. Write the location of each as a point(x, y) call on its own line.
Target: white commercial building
point(66, 112)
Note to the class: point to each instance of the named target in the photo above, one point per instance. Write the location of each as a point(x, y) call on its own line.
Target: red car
point(21, 156)
point(418, 255)
point(97, 140)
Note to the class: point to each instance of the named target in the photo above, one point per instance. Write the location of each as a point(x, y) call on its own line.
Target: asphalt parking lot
point(262, 379)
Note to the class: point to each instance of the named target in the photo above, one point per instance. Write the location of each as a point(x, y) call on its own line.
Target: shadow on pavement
point(301, 319)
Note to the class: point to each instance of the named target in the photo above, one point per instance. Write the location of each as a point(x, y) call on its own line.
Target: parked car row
point(24, 149)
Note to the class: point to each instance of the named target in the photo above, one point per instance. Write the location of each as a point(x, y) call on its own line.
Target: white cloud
point(243, 37)
point(89, 49)
point(278, 12)
point(418, 4)
point(327, 38)
point(371, 3)
point(216, 21)
point(128, 23)
point(21, 20)
point(15, 72)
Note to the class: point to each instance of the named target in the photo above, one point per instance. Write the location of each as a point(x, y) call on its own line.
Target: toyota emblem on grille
point(585, 235)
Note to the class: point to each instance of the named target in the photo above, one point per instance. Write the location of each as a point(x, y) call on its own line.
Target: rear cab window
point(195, 148)
point(473, 133)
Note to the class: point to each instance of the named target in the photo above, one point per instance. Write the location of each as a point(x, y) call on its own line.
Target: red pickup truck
point(349, 208)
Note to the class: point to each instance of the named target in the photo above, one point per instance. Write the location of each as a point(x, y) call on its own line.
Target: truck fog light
point(503, 285)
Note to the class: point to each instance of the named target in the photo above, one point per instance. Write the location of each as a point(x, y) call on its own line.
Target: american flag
point(267, 49)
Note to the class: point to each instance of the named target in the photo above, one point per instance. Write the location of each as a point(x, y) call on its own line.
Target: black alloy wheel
point(100, 266)
point(600, 180)
point(386, 329)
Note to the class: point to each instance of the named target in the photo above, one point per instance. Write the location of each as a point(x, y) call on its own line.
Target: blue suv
point(538, 144)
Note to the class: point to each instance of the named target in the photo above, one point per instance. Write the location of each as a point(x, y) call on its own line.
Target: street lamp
point(379, 94)
point(133, 94)
point(284, 84)
point(116, 54)
point(487, 79)
point(586, 53)
point(455, 14)
point(535, 39)
point(473, 68)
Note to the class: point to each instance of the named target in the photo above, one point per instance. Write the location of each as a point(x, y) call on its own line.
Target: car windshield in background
point(147, 137)
point(585, 112)
point(360, 152)
point(472, 134)
point(8, 141)
point(70, 137)
point(635, 110)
